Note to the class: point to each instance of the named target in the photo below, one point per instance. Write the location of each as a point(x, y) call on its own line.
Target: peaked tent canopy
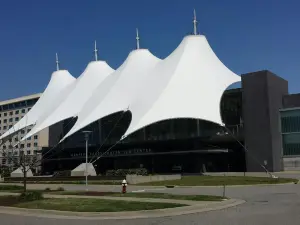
point(189, 83)
point(94, 74)
point(118, 90)
point(19, 172)
point(60, 81)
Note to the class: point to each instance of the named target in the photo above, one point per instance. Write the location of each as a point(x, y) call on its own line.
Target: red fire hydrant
point(124, 185)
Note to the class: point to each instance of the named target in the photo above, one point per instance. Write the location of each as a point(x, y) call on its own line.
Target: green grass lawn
point(145, 195)
point(219, 181)
point(85, 205)
point(11, 188)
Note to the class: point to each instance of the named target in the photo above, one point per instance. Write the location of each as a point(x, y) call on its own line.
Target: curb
point(246, 185)
point(191, 209)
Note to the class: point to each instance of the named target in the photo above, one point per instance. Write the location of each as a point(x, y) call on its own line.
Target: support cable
point(107, 137)
point(247, 151)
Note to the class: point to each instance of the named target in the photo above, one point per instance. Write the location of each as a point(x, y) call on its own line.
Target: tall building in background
point(11, 111)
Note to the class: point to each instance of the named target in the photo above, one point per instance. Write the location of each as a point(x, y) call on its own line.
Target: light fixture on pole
point(86, 137)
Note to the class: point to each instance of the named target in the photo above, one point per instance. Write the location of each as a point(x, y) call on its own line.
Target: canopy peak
point(195, 22)
point(137, 39)
point(56, 61)
point(96, 51)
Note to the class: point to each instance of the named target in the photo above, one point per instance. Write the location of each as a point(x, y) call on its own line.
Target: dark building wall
point(291, 101)
point(262, 98)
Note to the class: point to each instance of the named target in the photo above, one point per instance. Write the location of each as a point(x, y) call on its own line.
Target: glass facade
point(290, 128)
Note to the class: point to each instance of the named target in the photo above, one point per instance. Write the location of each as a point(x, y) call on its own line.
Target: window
point(29, 138)
point(28, 145)
point(23, 110)
point(28, 152)
point(4, 147)
point(35, 137)
point(0, 114)
point(0, 128)
point(16, 139)
point(28, 130)
point(3, 161)
point(22, 146)
point(10, 126)
point(17, 112)
point(4, 127)
point(0, 121)
point(10, 119)
point(11, 113)
point(17, 119)
point(28, 109)
point(22, 131)
point(5, 114)
point(35, 152)
point(35, 144)
point(5, 121)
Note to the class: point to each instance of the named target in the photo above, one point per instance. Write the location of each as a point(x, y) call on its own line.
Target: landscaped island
point(83, 205)
point(220, 181)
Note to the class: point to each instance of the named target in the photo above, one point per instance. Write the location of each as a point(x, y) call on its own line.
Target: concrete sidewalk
point(193, 207)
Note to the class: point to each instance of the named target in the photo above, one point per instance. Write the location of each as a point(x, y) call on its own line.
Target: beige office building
point(11, 111)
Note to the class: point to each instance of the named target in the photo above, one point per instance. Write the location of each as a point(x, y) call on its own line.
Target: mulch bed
point(9, 200)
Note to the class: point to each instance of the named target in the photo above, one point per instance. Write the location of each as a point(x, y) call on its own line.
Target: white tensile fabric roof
point(118, 90)
point(189, 83)
point(94, 74)
point(60, 81)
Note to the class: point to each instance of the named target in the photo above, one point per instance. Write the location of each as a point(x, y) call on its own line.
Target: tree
point(20, 160)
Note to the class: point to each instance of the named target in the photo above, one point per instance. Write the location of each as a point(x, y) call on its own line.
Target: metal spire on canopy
point(96, 51)
point(195, 23)
point(57, 62)
point(137, 39)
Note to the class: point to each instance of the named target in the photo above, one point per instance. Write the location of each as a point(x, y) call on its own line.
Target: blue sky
point(246, 35)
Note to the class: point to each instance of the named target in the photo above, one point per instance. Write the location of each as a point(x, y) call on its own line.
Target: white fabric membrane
point(73, 101)
point(60, 81)
point(189, 83)
point(118, 90)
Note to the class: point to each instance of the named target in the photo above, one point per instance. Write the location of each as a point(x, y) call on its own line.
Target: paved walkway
point(192, 207)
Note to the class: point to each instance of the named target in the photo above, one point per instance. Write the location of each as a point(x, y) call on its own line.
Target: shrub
point(60, 189)
point(31, 196)
point(110, 173)
point(4, 171)
point(47, 189)
point(124, 172)
point(10, 187)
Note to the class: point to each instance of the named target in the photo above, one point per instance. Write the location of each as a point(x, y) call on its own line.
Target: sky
point(247, 35)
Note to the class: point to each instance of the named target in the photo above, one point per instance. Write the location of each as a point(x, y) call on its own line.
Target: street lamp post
point(86, 137)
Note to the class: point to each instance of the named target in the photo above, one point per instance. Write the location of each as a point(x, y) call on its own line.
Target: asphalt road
point(274, 205)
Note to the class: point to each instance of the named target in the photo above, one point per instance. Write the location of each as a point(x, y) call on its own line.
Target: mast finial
point(137, 39)
point(96, 51)
point(57, 62)
point(195, 23)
